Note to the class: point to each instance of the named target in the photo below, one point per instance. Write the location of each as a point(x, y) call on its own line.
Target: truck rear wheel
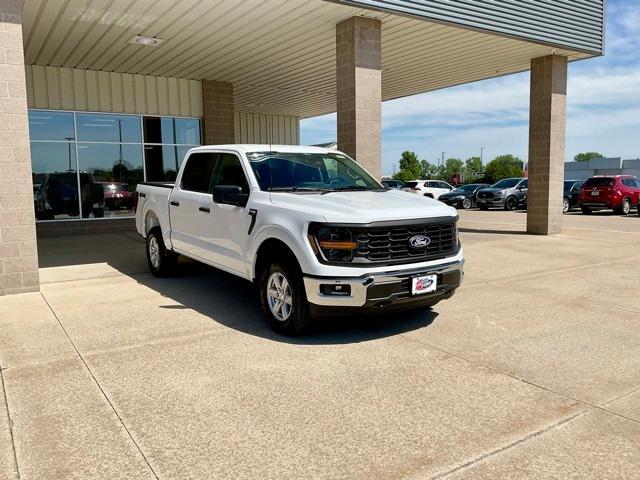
point(283, 299)
point(162, 262)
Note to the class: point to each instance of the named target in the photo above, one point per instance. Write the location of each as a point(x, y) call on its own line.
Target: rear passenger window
point(198, 171)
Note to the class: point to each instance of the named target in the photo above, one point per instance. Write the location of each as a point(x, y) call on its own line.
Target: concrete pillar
point(547, 125)
point(358, 90)
point(18, 250)
point(219, 124)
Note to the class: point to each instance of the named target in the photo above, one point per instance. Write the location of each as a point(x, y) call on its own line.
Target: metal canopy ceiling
point(279, 54)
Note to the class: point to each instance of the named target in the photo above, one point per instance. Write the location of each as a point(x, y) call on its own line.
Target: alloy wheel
point(154, 252)
point(279, 296)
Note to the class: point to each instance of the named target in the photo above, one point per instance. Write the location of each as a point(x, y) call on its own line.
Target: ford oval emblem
point(419, 241)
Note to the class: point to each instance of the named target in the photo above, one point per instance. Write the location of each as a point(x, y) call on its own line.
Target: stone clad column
point(547, 124)
point(358, 90)
point(219, 123)
point(18, 250)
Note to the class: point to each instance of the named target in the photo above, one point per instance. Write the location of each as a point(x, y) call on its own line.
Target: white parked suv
point(428, 188)
point(315, 232)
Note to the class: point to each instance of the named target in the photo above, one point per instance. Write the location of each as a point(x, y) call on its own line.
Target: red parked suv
point(617, 192)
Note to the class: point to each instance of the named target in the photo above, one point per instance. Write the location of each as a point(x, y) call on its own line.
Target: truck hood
point(364, 207)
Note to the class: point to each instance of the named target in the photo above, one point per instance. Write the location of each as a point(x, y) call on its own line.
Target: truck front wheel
point(161, 261)
point(283, 299)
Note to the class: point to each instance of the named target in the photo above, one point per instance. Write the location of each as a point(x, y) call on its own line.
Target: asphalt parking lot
point(532, 370)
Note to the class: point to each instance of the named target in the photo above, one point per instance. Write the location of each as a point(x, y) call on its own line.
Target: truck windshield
point(324, 172)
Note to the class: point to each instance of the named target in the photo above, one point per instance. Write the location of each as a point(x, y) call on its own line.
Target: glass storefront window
point(160, 163)
point(46, 125)
point(116, 169)
point(187, 131)
point(158, 130)
point(55, 181)
point(112, 158)
point(98, 127)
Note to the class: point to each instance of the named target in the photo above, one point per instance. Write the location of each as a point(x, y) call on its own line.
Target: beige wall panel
point(140, 98)
point(80, 90)
point(163, 96)
point(67, 96)
point(104, 90)
point(196, 98)
point(41, 97)
point(264, 128)
point(128, 93)
point(117, 95)
point(91, 90)
point(185, 96)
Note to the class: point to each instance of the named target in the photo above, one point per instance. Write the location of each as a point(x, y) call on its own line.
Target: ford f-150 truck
point(313, 230)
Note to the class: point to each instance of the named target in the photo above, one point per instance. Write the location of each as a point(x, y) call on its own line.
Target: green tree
point(410, 167)
point(473, 167)
point(503, 166)
point(428, 170)
point(586, 156)
point(452, 167)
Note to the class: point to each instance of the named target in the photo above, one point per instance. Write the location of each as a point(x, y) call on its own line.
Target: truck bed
point(154, 197)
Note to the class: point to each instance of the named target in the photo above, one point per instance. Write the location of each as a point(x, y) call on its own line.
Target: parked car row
point(619, 193)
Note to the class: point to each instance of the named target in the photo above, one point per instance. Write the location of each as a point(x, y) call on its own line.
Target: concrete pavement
point(532, 370)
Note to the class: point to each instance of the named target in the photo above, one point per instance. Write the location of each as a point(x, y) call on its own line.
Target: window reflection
point(160, 163)
point(187, 131)
point(158, 130)
point(46, 125)
point(112, 159)
point(95, 127)
point(55, 183)
point(116, 169)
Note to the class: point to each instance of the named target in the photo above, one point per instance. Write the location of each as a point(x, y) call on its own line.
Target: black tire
point(586, 210)
point(566, 205)
point(483, 207)
point(165, 263)
point(467, 203)
point(625, 208)
point(511, 203)
point(297, 318)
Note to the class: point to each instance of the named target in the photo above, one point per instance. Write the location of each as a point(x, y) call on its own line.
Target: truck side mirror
point(230, 195)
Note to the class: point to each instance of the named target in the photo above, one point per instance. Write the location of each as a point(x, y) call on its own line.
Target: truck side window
point(198, 171)
point(229, 172)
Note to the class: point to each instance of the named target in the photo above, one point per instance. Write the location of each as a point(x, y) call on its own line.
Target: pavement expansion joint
point(104, 394)
point(10, 423)
point(510, 445)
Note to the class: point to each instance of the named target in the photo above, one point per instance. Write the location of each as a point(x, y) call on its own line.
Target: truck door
point(226, 235)
point(190, 204)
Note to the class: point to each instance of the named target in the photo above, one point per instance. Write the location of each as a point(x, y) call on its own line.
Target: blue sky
point(603, 108)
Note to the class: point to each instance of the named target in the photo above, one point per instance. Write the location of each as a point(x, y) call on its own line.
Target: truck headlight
point(335, 244)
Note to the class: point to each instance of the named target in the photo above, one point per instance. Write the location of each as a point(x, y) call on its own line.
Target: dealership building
point(97, 96)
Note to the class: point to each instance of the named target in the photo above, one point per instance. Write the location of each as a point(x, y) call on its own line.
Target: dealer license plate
point(424, 284)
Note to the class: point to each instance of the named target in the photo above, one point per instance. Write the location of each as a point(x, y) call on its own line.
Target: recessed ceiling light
point(148, 41)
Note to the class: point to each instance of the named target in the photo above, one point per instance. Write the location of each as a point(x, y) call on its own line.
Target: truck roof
point(244, 148)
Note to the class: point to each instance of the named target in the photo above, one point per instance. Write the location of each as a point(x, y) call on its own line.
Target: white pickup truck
point(315, 232)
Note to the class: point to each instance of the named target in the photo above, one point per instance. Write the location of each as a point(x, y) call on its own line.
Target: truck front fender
point(276, 232)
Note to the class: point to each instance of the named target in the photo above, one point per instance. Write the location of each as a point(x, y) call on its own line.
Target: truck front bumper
point(381, 291)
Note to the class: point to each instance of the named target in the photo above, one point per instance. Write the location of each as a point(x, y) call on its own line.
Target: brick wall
point(18, 249)
point(358, 90)
point(218, 122)
point(547, 124)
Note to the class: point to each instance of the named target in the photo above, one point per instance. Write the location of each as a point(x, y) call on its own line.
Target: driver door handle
point(205, 209)
point(174, 203)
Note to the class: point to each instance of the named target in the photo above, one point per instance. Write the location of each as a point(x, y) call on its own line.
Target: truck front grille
point(392, 244)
